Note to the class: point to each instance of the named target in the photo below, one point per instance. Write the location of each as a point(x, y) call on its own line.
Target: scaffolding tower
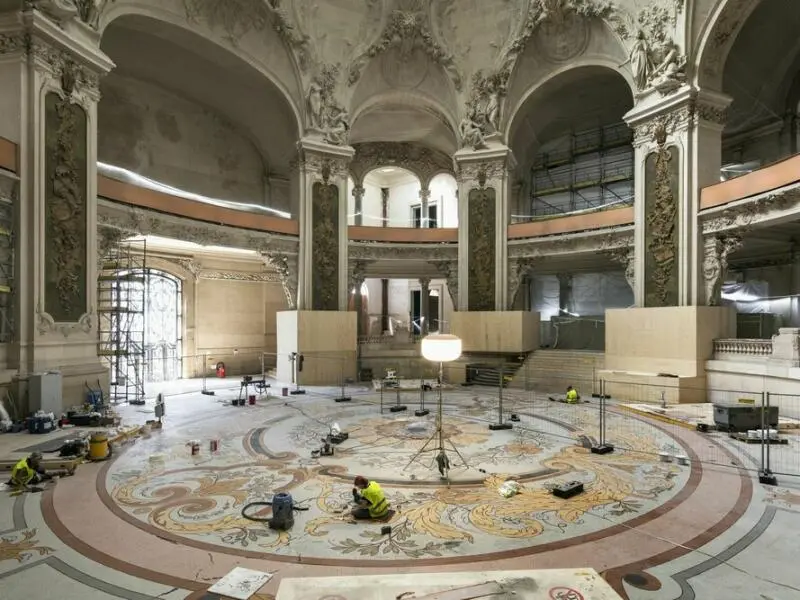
point(586, 170)
point(121, 300)
point(6, 270)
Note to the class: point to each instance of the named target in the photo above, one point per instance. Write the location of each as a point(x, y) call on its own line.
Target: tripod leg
point(454, 449)
point(421, 450)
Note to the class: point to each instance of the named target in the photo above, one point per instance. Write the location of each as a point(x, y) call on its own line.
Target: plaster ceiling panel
point(474, 34)
point(403, 123)
point(762, 64)
point(200, 71)
point(338, 27)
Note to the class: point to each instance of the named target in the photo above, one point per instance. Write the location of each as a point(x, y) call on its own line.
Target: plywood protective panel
point(497, 331)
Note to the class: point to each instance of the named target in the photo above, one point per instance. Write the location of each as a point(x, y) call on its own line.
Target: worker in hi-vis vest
point(372, 504)
point(572, 395)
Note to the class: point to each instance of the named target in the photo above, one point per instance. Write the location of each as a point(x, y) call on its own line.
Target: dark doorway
point(416, 311)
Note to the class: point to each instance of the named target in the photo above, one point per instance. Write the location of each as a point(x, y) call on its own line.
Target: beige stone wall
point(510, 331)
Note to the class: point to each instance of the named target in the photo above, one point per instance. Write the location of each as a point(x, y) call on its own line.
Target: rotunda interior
point(242, 241)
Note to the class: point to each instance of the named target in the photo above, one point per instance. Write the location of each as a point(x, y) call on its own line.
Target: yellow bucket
point(98, 446)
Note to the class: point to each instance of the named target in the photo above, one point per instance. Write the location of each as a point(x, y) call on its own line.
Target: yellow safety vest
point(378, 504)
point(22, 473)
point(572, 396)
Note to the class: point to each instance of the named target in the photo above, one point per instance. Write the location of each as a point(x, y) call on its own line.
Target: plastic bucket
point(98, 446)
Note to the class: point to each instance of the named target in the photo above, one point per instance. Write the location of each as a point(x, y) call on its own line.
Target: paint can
point(252, 399)
point(665, 457)
point(195, 448)
point(213, 446)
point(285, 392)
point(683, 460)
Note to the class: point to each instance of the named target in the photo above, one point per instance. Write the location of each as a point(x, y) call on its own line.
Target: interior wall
point(159, 135)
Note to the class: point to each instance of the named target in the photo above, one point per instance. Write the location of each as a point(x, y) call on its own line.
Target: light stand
point(397, 406)
point(440, 348)
point(297, 366)
point(500, 425)
point(602, 446)
point(422, 410)
point(205, 391)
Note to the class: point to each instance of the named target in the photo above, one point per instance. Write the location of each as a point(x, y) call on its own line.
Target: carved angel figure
point(337, 130)
point(671, 66)
point(89, 11)
point(493, 110)
point(471, 134)
point(60, 10)
point(640, 61)
point(712, 275)
point(314, 105)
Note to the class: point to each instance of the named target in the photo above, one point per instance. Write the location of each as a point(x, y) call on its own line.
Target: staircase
point(487, 372)
point(551, 371)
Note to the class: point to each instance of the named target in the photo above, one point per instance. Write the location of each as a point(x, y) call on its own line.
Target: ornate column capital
point(717, 248)
point(626, 257)
point(425, 193)
point(449, 270)
point(425, 283)
point(324, 162)
point(356, 273)
point(358, 191)
point(483, 168)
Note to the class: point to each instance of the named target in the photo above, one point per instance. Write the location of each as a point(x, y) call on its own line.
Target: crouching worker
point(572, 395)
point(372, 504)
point(30, 472)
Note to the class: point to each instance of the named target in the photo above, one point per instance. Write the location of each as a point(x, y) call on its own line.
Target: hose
point(247, 507)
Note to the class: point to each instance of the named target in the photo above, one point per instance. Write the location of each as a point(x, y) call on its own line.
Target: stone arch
point(174, 13)
point(716, 40)
point(424, 163)
point(605, 63)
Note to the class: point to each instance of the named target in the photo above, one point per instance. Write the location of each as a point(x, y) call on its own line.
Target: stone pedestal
point(50, 84)
point(484, 189)
point(327, 340)
point(650, 350)
point(496, 331)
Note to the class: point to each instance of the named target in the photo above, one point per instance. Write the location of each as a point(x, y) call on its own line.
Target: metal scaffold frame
point(7, 258)
point(121, 300)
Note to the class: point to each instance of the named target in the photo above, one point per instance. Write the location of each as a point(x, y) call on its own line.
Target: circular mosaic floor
point(158, 485)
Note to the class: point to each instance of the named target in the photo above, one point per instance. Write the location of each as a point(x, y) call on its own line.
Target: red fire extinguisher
point(221, 370)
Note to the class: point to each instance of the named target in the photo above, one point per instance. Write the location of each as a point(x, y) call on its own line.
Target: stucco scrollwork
point(481, 172)
point(408, 31)
point(518, 270)
point(107, 238)
point(424, 162)
point(625, 257)
point(324, 166)
point(747, 213)
point(237, 18)
point(434, 253)
point(286, 266)
point(11, 43)
point(45, 323)
point(595, 242)
point(715, 264)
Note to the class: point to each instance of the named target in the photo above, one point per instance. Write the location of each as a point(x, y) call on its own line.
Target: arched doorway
point(163, 325)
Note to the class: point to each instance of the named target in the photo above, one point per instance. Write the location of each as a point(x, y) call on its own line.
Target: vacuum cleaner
point(283, 508)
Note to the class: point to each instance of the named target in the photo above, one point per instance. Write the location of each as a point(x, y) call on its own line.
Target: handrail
point(749, 347)
point(613, 217)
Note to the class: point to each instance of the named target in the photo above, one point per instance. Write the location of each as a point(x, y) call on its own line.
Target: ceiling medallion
point(560, 40)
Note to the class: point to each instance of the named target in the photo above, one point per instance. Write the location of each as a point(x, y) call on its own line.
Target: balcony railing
point(743, 347)
point(399, 338)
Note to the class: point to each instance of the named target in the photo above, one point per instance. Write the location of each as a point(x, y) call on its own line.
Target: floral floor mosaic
point(157, 483)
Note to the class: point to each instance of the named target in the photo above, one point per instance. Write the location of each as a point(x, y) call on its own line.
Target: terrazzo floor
point(158, 522)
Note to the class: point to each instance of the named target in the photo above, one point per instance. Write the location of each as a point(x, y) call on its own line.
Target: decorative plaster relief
point(287, 271)
point(481, 248)
point(375, 251)
point(324, 166)
point(482, 119)
point(721, 38)
point(449, 270)
point(680, 119)
point(325, 246)
point(143, 222)
point(356, 273)
point(107, 238)
point(745, 214)
point(324, 113)
point(715, 264)
point(408, 30)
point(626, 257)
point(423, 162)
point(597, 241)
point(237, 18)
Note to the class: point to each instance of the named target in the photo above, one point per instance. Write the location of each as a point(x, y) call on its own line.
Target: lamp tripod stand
point(438, 437)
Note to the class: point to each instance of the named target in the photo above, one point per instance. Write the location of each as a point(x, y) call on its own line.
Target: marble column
point(484, 189)
point(384, 207)
point(424, 199)
point(678, 141)
point(50, 85)
point(424, 303)
point(358, 204)
point(356, 283)
point(322, 212)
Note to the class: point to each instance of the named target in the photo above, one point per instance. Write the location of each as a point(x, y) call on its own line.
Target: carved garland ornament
point(408, 31)
point(582, 244)
point(287, 273)
point(481, 172)
point(749, 212)
point(433, 253)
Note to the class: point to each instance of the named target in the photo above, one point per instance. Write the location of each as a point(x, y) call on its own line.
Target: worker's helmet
point(35, 457)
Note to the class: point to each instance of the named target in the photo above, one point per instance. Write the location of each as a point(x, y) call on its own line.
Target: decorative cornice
point(256, 277)
point(144, 222)
point(596, 241)
point(742, 214)
point(382, 251)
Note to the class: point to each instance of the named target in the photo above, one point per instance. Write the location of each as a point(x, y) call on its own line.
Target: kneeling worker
point(29, 472)
point(572, 395)
point(372, 504)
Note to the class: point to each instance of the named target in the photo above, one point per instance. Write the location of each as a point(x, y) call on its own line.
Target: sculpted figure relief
point(314, 105)
point(471, 134)
point(324, 114)
point(639, 59)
